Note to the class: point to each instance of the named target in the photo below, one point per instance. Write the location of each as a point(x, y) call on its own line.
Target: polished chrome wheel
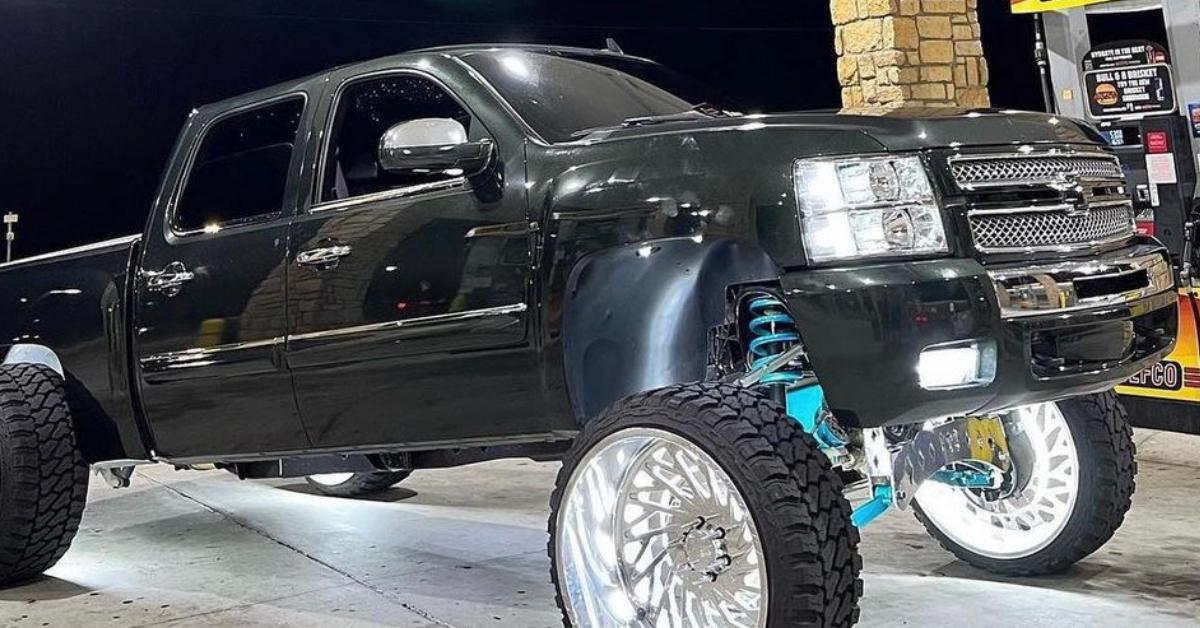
point(653, 533)
point(1035, 502)
point(330, 479)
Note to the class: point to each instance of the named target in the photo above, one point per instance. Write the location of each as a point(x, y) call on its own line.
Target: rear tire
point(747, 468)
point(356, 484)
point(1098, 444)
point(43, 477)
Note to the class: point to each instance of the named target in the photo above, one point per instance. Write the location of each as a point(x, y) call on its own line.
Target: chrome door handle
point(323, 258)
point(169, 281)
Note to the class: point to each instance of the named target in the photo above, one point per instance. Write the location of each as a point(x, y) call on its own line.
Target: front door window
point(366, 110)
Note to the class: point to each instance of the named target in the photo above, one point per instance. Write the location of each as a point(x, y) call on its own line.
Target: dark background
point(93, 92)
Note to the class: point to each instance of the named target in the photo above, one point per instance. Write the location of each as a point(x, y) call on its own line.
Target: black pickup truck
point(716, 321)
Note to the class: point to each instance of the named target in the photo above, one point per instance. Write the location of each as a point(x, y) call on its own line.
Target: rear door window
point(240, 171)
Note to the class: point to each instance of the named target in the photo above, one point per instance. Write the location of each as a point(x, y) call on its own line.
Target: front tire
point(701, 505)
point(43, 477)
point(1073, 482)
point(356, 484)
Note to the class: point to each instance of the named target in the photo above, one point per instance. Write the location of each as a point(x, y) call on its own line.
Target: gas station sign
point(1158, 142)
point(1128, 79)
point(1039, 6)
point(1136, 91)
point(1124, 54)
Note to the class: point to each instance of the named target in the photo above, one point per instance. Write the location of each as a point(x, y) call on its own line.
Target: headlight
point(866, 207)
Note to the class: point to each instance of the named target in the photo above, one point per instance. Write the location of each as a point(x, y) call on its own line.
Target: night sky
point(93, 92)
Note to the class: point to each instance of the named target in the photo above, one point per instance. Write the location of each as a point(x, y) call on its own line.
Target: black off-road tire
point(1104, 442)
point(795, 498)
point(361, 484)
point(43, 477)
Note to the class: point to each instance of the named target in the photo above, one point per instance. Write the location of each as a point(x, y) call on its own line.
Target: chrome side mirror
point(432, 146)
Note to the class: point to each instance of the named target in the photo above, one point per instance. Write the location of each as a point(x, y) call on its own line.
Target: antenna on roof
point(611, 45)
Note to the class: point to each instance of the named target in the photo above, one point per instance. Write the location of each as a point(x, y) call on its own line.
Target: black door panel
point(211, 312)
point(426, 401)
point(212, 378)
point(420, 333)
point(414, 300)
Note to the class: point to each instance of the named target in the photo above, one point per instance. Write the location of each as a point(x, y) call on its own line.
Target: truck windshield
point(561, 95)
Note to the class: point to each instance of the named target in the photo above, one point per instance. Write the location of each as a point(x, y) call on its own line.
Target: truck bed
point(74, 303)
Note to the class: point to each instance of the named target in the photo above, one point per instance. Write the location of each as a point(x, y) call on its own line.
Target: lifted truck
point(714, 320)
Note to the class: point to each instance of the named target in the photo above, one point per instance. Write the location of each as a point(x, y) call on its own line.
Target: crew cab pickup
point(463, 253)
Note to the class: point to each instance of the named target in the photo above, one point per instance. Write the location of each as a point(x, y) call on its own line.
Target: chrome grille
point(1033, 169)
point(1032, 230)
point(1072, 200)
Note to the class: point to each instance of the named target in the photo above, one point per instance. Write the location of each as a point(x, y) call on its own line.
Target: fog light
point(957, 365)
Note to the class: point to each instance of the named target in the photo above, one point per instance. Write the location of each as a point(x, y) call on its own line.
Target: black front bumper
point(864, 328)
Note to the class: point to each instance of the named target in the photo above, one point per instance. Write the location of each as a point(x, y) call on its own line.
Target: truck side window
point(240, 171)
point(365, 111)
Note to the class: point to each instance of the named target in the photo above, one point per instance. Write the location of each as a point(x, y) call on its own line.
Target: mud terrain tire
point(43, 477)
point(794, 497)
point(1104, 445)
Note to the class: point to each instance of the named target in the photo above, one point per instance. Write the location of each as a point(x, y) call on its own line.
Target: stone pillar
point(893, 53)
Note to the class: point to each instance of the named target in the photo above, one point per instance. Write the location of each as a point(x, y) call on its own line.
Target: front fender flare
point(637, 316)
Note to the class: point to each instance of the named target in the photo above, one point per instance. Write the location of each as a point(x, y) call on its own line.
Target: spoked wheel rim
point(1033, 508)
point(331, 479)
point(653, 533)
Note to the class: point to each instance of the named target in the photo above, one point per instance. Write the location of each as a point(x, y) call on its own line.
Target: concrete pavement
point(466, 548)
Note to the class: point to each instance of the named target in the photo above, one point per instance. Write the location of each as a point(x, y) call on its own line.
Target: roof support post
point(893, 53)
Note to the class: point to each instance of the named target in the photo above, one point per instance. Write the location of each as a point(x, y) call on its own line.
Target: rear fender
point(97, 435)
point(34, 354)
point(637, 316)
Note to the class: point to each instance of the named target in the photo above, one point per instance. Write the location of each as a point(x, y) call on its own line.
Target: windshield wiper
point(700, 110)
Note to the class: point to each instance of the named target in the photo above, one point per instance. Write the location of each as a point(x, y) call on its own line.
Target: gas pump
point(1144, 97)
point(1162, 174)
point(1154, 152)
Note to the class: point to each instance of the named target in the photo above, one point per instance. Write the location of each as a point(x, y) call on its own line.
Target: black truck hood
point(903, 129)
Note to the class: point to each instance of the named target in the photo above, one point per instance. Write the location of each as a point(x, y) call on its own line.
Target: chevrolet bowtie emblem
point(1077, 208)
point(1074, 200)
point(1065, 180)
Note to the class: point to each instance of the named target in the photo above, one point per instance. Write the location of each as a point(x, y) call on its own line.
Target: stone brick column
point(893, 53)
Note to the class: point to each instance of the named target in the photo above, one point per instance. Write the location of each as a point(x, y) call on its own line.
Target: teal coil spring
point(773, 331)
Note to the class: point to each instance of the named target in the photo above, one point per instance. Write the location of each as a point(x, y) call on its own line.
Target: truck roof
point(312, 80)
point(539, 48)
